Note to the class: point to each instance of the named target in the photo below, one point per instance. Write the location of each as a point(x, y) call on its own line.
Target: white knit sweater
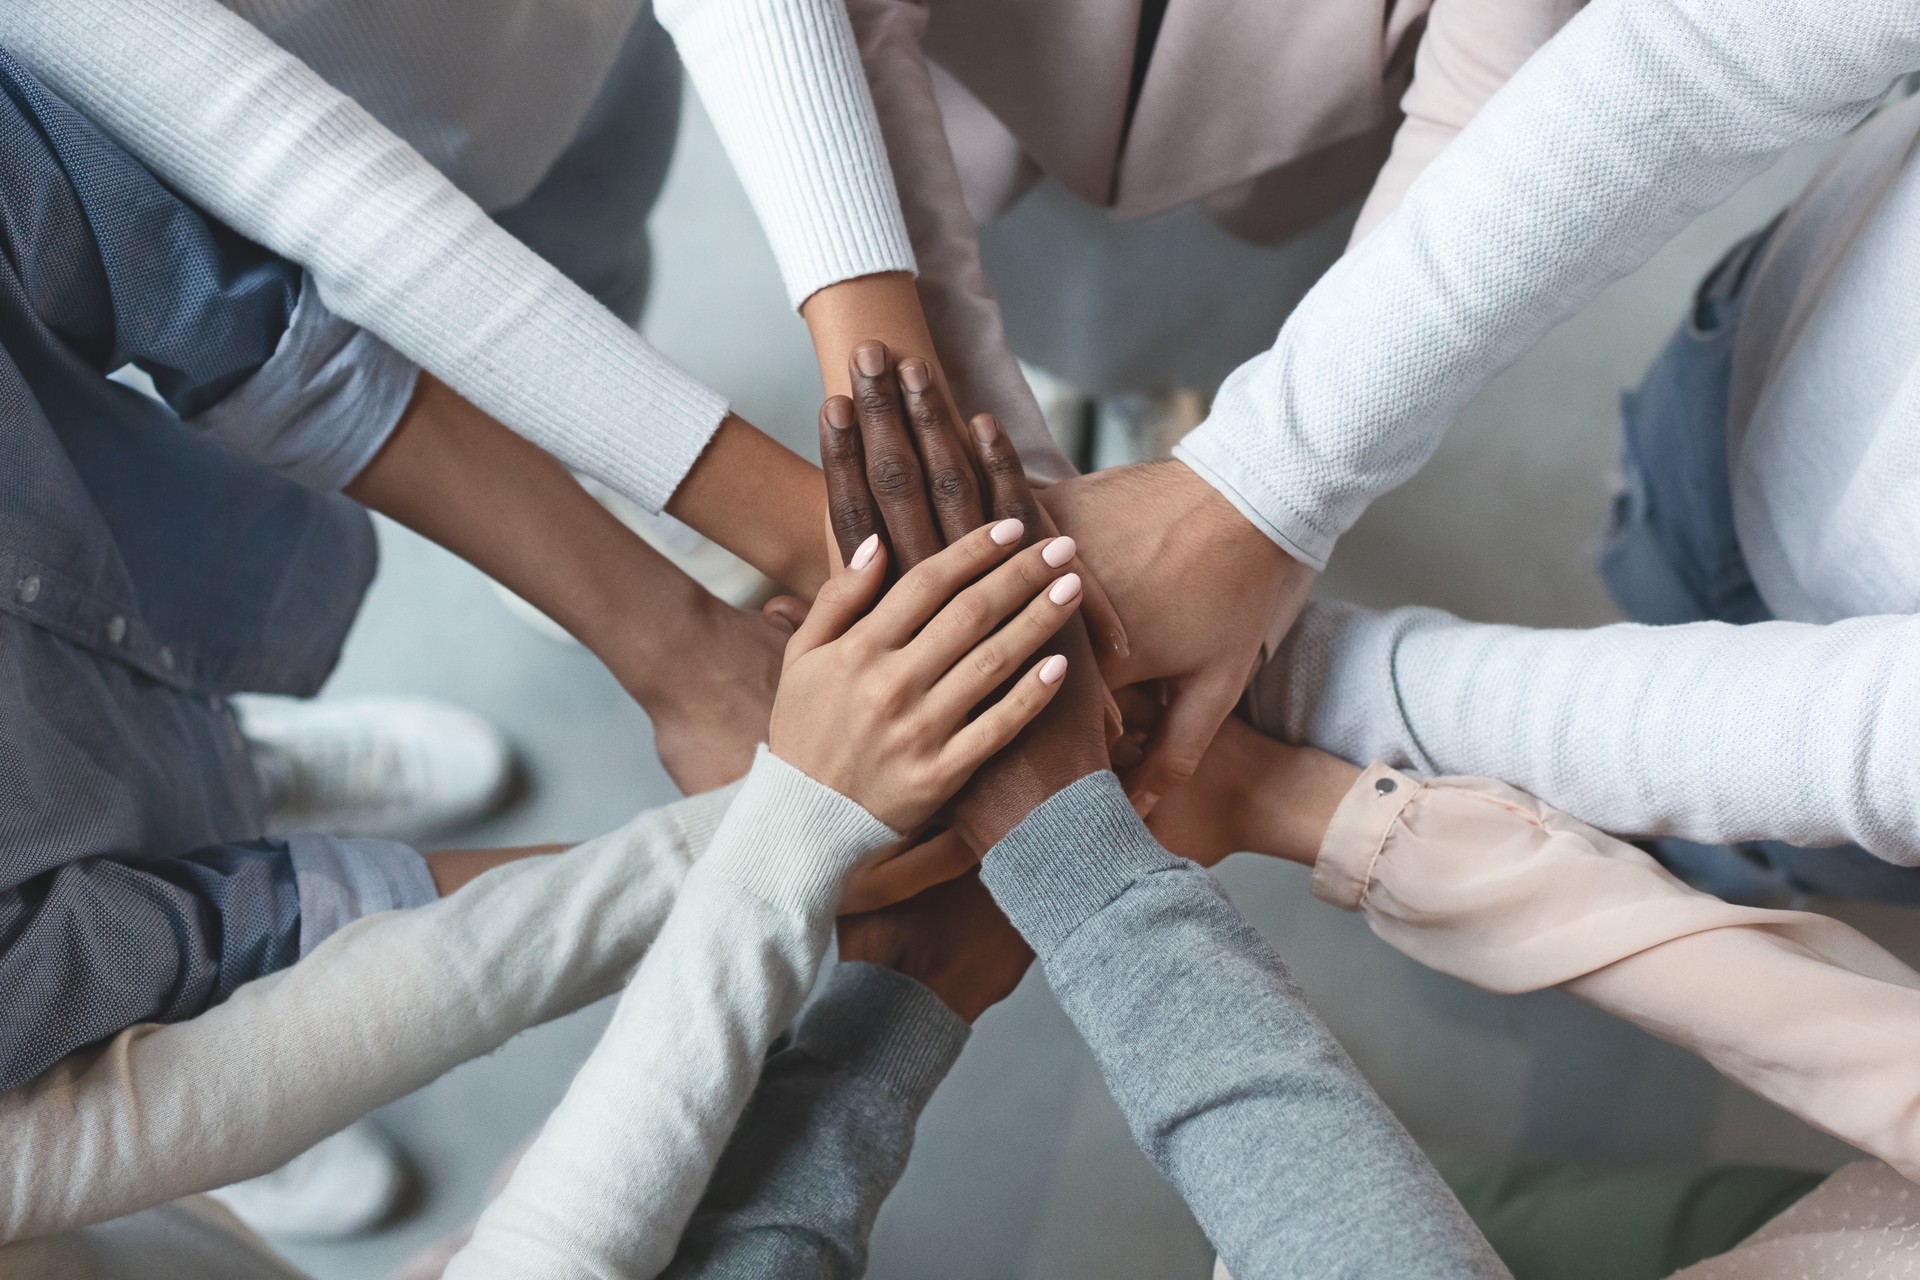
point(260, 140)
point(1637, 116)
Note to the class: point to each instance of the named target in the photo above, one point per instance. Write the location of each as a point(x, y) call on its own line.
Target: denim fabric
point(1671, 556)
point(144, 573)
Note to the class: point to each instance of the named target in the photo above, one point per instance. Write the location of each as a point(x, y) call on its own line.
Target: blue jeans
point(1671, 556)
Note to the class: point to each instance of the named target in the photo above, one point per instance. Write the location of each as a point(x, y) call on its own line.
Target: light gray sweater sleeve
point(827, 1134)
point(1776, 730)
point(1231, 1085)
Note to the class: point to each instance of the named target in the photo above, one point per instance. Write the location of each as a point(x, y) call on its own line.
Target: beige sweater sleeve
point(961, 311)
point(1490, 885)
point(1470, 48)
point(381, 1008)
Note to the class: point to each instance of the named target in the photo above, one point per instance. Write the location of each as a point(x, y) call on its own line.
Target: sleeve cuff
point(1069, 858)
point(322, 406)
point(793, 842)
point(340, 881)
point(1213, 463)
point(783, 83)
point(881, 1025)
point(1366, 816)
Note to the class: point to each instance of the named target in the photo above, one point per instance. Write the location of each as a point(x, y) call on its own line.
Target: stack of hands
point(945, 679)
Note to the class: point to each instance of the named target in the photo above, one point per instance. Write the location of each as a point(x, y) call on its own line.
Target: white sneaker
point(341, 1187)
point(396, 768)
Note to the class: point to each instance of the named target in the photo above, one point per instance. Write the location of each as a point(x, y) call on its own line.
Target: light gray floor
point(1024, 1168)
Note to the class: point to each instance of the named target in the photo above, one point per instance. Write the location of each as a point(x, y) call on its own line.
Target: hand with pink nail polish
point(883, 476)
point(895, 706)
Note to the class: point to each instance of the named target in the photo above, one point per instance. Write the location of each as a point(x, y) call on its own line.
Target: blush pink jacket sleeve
point(1487, 884)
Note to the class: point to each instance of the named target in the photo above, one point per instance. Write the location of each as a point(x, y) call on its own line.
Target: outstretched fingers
point(998, 725)
point(893, 464)
point(952, 483)
point(850, 508)
point(925, 590)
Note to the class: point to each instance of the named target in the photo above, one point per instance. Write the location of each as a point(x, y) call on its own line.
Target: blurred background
point(1024, 1170)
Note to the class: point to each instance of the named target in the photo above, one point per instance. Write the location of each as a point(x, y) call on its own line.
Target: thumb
point(1180, 739)
point(843, 600)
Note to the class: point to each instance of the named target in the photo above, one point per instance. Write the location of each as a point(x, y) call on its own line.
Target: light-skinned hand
point(880, 705)
point(1198, 588)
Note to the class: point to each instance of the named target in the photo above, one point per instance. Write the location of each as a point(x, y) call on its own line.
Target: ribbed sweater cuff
point(696, 820)
point(793, 842)
point(881, 1025)
point(1209, 451)
point(1071, 857)
point(783, 84)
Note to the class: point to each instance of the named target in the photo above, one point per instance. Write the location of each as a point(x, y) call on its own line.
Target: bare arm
point(704, 672)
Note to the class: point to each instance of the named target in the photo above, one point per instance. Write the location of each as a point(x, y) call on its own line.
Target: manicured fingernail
point(985, 429)
point(840, 413)
point(1058, 552)
point(914, 376)
point(1007, 532)
point(864, 553)
point(1052, 669)
point(870, 358)
point(1064, 590)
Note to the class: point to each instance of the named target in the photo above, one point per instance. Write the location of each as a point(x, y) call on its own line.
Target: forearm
point(1230, 1084)
point(1727, 733)
point(619, 1167)
point(386, 1005)
point(827, 1135)
point(761, 501)
point(457, 477)
point(1638, 116)
point(1488, 884)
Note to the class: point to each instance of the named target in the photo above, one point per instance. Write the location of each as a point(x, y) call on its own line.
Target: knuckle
point(985, 662)
point(926, 412)
point(1021, 507)
point(850, 512)
point(951, 484)
point(873, 400)
point(893, 474)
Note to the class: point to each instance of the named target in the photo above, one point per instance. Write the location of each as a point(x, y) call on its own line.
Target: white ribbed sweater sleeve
point(385, 1005)
point(1637, 116)
point(263, 143)
point(254, 136)
point(608, 1187)
point(1714, 733)
point(782, 82)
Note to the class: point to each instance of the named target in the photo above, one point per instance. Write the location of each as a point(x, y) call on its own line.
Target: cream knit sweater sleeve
point(621, 1165)
point(253, 135)
point(1637, 116)
point(382, 1007)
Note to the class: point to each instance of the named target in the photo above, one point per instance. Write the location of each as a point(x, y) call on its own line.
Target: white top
point(1824, 419)
point(1636, 117)
point(253, 135)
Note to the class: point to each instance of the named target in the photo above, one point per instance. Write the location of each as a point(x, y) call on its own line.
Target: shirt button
point(116, 629)
point(28, 590)
point(1385, 786)
point(166, 657)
